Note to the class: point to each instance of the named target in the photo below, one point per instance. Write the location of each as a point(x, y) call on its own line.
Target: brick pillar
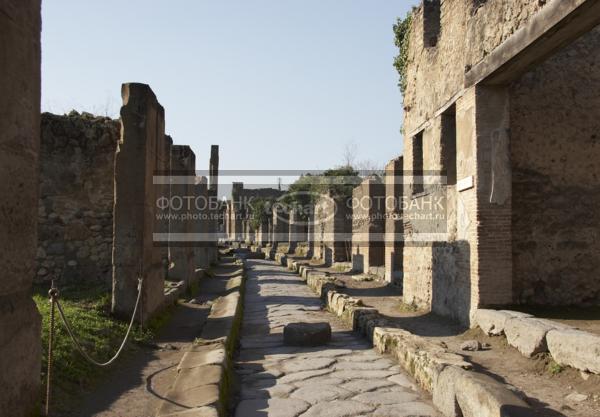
point(394, 239)
point(493, 273)
point(183, 171)
point(20, 346)
point(142, 148)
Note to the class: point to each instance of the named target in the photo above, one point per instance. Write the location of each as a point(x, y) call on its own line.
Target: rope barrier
point(54, 295)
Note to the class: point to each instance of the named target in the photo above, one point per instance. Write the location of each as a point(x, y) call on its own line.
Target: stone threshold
point(567, 345)
point(457, 389)
point(204, 378)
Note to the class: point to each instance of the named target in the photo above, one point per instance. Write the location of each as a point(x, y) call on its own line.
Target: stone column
point(226, 220)
point(245, 231)
point(20, 346)
point(262, 235)
point(163, 189)
point(310, 232)
point(297, 229)
point(134, 253)
point(280, 226)
point(202, 224)
point(183, 172)
point(214, 206)
point(292, 232)
point(237, 211)
point(394, 239)
point(214, 170)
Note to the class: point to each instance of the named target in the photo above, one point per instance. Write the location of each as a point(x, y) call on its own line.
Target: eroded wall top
point(445, 43)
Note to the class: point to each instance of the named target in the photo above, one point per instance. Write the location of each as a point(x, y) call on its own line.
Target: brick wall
point(556, 188)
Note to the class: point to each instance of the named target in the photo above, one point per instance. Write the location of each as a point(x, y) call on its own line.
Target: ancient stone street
point(342, 379)
point(300, 209)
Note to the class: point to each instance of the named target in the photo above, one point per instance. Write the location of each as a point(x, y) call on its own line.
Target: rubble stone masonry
point(75, 212)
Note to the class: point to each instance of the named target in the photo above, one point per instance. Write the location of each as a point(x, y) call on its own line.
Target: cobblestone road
point(346, 378)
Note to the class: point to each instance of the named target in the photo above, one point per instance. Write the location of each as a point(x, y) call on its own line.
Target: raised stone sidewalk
point(457, 390)
point(203, 383)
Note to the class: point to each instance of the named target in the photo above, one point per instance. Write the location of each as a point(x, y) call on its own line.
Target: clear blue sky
point(278, 84)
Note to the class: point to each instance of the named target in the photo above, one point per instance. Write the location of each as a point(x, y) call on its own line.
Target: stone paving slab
point(344, 378)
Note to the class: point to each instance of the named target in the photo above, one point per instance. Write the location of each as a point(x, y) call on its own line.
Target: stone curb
point(530, 335)
point(457, 390)
point(204, 374)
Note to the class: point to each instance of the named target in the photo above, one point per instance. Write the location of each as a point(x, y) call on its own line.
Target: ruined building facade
point(499, 100)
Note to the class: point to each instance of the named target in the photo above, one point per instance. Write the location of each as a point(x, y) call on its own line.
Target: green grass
point(340, 268)
point(407, 308)
point(554, 368)
point(88, 313)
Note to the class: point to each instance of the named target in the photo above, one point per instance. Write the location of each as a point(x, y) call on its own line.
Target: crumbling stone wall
point(75, 212)
point(556, 189)
point(20, 344)
point(470, 30)
point(368, 209)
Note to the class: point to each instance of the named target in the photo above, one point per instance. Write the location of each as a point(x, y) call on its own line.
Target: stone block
point(194, 412)
point(221, 317)
point(181, 400)
point(575, 348)
point(461, 393)
point(424, 360)
point(203, 355)
point(306, 334)
point(492, 322)
point(528, 335)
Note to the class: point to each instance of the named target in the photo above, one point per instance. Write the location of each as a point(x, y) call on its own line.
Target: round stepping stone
point(306, 334)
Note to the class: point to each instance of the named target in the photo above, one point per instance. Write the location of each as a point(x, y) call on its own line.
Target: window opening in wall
point(448, 140)
point(431, 22)
point(417, 168)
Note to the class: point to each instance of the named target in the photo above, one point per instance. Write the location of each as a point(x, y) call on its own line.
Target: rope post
point(143, 298)
point(53, 295)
